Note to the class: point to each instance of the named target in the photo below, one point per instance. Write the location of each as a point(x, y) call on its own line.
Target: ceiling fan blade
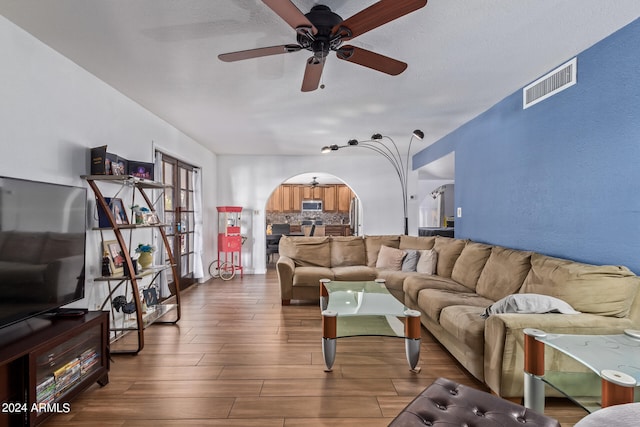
point(257, 53)
point(376, 15)
point(312, 74)
point(290, 14)
point(372, 60)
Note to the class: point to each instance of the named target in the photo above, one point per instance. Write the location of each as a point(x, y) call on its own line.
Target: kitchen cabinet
point(312, 193)
point(330, 201)
point(344, 198)
point(291, 198)
point(274, 204)
point(337, 230)
point(296, 197)
point(287, 198)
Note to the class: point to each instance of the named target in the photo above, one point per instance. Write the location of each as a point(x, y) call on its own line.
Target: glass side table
point(613, 373)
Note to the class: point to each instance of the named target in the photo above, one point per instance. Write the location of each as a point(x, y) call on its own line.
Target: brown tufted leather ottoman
point(447, 403)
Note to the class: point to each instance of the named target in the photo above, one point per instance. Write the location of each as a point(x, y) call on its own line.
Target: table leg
point(533, 370)
point(617, 387)
point(324, 294)
point(412, 338)
point(329, 334)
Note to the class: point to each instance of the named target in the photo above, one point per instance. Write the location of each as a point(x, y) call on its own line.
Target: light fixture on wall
point(386, 147)
point(438, 191)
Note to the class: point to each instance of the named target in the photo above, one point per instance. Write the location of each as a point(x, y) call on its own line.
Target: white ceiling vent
point(551, 83)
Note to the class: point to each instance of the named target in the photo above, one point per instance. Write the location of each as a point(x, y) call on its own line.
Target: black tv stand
point(51, 363)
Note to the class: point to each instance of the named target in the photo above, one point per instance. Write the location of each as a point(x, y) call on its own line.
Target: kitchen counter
point(330, 229)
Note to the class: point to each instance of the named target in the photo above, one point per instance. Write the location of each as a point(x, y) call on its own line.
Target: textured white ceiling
point(463, 56)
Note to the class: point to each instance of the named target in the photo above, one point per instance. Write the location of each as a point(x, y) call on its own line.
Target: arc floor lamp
point(386, 147)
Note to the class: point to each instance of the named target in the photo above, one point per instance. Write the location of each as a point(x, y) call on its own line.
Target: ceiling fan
point(322, 30)
point(314, 183)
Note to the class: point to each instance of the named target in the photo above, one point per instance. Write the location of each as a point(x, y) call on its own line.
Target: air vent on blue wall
point(551, 83)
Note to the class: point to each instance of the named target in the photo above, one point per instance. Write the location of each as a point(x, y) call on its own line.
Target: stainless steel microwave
point(312, 205)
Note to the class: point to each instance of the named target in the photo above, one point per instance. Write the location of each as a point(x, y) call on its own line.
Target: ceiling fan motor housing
point(324, 20)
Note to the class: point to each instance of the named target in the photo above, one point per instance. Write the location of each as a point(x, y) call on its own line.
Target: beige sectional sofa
point(469, 277)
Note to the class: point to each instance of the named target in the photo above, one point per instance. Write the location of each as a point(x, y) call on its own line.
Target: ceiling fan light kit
point(322, 31)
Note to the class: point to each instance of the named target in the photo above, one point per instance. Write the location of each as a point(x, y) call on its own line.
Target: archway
point(322, 201)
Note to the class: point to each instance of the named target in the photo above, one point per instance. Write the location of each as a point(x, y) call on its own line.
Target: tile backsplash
point(297, 217)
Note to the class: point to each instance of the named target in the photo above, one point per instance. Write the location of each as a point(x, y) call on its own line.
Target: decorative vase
point(145, 259)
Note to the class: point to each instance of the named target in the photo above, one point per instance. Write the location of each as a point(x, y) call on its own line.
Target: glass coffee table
point(611, 368)
point(355, 309)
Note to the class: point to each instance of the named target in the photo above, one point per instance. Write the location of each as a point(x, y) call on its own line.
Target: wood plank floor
point(238, 358)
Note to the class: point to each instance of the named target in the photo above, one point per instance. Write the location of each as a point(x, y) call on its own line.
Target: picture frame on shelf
point(119, 213)
point(150, 296)
point(119, 167)
point(116, 257)
point(140, 169)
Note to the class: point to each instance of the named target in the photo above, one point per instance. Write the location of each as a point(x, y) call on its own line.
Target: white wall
point(248, 181)
point(52, 112)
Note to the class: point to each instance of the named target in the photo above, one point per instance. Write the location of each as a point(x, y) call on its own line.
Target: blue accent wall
point(563, 176)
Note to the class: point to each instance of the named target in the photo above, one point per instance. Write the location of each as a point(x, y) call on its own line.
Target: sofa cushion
point(310, 276)
point(465, 323)
point(503, 273)
point(390, 258)
point(373, 243)
point(605, 290)
point(394, 279)
point(413, 284)
point(417, 242)
point(433, 301)
point(470, 263)
point(347, 250)
point(410, 261)
point(448, 250)
point(354, 273)
point(306, 251)
point(427, 261)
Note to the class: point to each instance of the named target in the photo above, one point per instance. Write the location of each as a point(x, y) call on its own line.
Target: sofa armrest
point(285, 268)
point(504, 343)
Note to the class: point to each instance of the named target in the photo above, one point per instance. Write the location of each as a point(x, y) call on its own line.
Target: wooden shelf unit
point(142, 316)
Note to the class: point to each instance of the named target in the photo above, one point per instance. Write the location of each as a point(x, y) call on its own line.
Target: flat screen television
point(42, 247)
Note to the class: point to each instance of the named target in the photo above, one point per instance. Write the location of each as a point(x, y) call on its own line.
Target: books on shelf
point(66, 376)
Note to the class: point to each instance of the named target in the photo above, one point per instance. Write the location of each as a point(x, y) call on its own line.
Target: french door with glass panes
point(179, 214)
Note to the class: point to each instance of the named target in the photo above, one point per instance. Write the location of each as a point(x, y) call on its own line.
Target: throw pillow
point(372, 245)
point(427, 261)
point(448, 250)
point(410, 262)
point(390, 258)
point(529, 303)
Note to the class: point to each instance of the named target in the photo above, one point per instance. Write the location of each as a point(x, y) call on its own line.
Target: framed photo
point(150, 296)
point(117, 207)
point(115, 255)
point(118, 167)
